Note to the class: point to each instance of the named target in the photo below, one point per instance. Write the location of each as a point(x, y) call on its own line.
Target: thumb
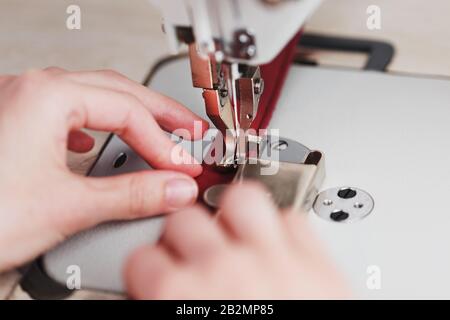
point(130, 196)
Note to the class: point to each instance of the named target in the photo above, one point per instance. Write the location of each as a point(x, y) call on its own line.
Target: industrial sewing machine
point(228, 41)
point(373, 128)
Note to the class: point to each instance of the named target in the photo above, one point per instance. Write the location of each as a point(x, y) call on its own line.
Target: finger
point(249, 215)
point(170, 114)
point(108, 110)
point(6, 79)
point(80, 141)
point(146, 272)
point(128, 196)
point(192, 234)
point(300, 235)
point(306, 245)
point(151, 273)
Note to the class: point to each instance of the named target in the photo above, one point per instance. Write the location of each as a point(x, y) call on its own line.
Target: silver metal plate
point(280, 169)
point(344, 204)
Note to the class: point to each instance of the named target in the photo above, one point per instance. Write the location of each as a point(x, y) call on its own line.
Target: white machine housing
point(271, 23)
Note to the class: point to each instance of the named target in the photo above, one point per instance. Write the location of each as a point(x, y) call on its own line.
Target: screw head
point(251, 51)
point(339, 216)
point(258, 87)
point(244, 38)
point(223, 93)
point(346, 193)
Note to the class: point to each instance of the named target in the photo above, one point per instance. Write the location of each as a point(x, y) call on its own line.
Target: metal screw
point(280, 145)
point(244, 38)
point(258, 87)
point(339, 216)
point(251, 51)
point(358, 205)
point(223, 93)
point(120, 160)
point(346, 193)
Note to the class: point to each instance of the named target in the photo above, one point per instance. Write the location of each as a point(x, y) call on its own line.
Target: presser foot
point(291, 172)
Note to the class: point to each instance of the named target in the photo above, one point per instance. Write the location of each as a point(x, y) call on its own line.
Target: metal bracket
point(291, 172)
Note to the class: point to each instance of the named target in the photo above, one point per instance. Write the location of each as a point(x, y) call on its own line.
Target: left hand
point(42, 113)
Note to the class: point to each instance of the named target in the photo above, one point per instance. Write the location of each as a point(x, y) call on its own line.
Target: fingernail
point(180, 193)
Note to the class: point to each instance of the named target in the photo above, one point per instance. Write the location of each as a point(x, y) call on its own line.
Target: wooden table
point(126, 36)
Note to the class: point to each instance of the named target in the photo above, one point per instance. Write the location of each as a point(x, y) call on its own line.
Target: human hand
point(249, 251)
point(41, 115)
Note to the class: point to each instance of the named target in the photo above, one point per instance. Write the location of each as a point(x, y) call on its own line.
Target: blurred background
point(126, 35)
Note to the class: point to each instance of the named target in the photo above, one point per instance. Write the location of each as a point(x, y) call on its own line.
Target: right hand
point(250, 250)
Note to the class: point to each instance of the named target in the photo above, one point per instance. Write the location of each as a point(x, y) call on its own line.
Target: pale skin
point(248, 250)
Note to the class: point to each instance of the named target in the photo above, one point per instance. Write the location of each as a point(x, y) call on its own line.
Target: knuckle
point(112, 74)
point(33, 80)
point(5, 80)
point(34, 85)
point(136, 108)
point(140, 196)
point(134, 113)
point(120, 79)
point(53, 70)
point(34, 75)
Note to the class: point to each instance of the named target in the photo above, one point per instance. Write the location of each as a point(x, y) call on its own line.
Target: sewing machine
point(227, 42)
point(381, 211)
